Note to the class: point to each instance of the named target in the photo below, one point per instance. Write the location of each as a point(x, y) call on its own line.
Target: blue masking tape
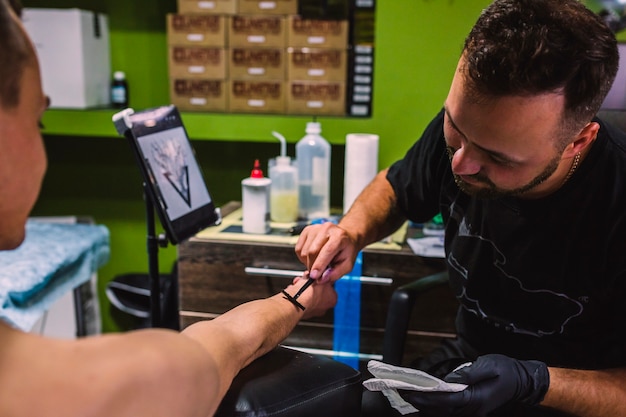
point(346, 339)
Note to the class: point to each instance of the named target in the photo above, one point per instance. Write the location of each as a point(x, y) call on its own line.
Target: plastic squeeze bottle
point(284, 188)
point(255, 191)
point(313, 158)
point(119, 90)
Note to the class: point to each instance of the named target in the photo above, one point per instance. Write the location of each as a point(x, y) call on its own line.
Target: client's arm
point(252, 329)
point(153, 372)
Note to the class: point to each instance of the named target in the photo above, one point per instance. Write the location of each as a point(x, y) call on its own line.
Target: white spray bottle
point(255, 201)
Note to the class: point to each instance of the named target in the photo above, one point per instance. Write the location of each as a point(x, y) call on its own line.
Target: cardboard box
point(317, 64)
point(265, 31)
point(316, 98)
point(207, 6)
point(279, 7)
point(196, 29)
point(257, 64)
point(251, 96)
point(312, 33)
point(206, 62)
point(73, 50)
point(198, 94)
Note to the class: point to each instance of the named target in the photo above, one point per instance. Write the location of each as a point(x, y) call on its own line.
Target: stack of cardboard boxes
point(251, 56)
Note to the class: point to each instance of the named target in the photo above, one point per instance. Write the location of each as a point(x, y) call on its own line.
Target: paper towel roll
point(361, 165)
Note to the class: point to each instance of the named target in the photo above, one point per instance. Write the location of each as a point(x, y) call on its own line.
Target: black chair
point(399, 311)
point(616, 117)
point(129, 295)
point(283, 383)
point(286, 382)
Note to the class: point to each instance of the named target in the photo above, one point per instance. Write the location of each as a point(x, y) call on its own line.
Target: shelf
point(208, 126)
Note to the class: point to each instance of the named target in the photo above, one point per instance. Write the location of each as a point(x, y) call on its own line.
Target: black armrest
point(399, 314)
point(289, 383)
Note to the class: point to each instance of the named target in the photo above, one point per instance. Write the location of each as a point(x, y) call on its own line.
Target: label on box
point(196, 23)
point(257, 31)
point(275, 7)
point(190, 29)
point(309, 97)
point(207, 6)
point(317, 64)
point(254, 63)
point(198, 94)
point(197, 61)
point(256, 96)
point(319, 33)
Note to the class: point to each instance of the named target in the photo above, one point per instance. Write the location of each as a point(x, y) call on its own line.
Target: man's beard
point(492, 191)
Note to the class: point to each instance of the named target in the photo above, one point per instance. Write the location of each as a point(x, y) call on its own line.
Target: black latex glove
point(493, 381)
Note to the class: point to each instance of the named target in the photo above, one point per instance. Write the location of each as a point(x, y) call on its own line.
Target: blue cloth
point(347, 315)
point(53, 259)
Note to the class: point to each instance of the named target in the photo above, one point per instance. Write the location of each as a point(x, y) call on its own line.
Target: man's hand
point(327, 251)
point(493, 381)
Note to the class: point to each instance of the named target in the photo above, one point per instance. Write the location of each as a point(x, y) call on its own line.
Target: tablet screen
point(171, 172)
point(178, 177)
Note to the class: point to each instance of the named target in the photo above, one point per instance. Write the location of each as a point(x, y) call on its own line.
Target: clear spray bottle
point(284, 188)
point(313, 157)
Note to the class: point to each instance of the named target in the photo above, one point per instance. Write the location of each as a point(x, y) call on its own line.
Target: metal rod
point(153, 263)
point(286, 273)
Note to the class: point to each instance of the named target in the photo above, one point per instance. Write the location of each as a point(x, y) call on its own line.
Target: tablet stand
point(123, 125)
point(153, 244)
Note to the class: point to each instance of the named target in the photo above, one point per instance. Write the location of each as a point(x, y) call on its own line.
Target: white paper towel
point(361, 165)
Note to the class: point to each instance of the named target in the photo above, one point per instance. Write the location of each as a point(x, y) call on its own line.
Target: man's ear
point(584, 140)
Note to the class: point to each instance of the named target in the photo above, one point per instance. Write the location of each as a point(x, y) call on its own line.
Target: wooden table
point(218, 270)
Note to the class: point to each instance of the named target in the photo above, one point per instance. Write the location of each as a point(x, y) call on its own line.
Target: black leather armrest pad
point(287, 382)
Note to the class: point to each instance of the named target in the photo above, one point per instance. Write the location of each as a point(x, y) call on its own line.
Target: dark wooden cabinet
point(217, 274)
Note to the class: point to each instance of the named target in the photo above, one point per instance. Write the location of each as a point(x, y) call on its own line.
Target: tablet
point(171, 174)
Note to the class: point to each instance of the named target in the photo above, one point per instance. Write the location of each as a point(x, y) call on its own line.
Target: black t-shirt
point(537, 279)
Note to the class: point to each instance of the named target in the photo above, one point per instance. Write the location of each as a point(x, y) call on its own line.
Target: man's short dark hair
point(15, 53)
point(528, 47)
point(16, 5)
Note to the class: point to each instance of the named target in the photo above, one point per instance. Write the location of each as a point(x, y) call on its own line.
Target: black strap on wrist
point(294, 300)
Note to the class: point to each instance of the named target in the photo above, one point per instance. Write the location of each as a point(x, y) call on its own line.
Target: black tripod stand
point(153, 243)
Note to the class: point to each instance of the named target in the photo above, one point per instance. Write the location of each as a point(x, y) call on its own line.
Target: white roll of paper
point(361, 165)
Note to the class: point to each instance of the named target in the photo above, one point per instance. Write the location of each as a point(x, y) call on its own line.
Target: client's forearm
point(237, 337)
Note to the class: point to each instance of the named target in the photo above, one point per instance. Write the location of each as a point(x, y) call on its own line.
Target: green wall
point(417, 45)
